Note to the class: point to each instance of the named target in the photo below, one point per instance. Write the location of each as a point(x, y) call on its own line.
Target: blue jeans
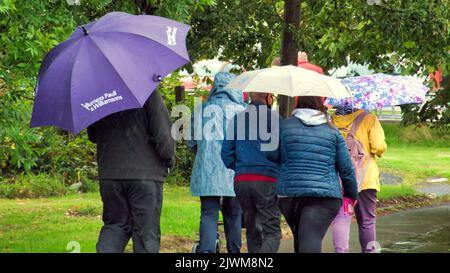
point(232, 216)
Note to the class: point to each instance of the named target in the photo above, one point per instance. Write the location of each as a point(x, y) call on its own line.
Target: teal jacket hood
point(219, 90)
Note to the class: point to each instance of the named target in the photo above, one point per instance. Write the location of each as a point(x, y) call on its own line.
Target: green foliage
point(415, 32)
point(244, 32)
point(88, 185)
point(184, 160)
point(32, 186)
point(71, 156)
point(249, 32)
point(25, 150)
point(19, 149)
point(6, 6)
point(435, 111)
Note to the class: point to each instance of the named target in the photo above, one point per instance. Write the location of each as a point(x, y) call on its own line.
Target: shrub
point(19, 148)
point(88, 185)
point(435, 111)
point(71, 156)
point(182, 170)
point(32, 186)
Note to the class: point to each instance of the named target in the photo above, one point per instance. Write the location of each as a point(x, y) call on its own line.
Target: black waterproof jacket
point(135, 144)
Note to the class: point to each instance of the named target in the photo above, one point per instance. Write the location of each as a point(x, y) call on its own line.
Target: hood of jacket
point(309, 116)
point(344, 121)
point(219, 91)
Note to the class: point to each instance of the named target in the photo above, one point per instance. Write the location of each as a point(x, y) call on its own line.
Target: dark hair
point(313, 102)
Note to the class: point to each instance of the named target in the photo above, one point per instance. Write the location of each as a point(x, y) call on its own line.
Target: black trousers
point(309, 219)
point(262, 216)
point(131, 209)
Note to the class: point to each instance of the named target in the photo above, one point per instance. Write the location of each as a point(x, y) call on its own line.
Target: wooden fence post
point(179, 94)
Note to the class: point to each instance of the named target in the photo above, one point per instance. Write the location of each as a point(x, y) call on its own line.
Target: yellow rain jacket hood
point(371, 135)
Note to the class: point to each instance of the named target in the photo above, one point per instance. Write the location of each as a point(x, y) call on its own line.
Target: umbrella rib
point(117, 71)
point(292, 85)
point(330, 87)
point(41, 74)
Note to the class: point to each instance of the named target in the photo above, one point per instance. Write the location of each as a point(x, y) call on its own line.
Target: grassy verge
point(48, 225)
point(416, 163)
point(395, 191)
point(416, 153)
point(417, 136)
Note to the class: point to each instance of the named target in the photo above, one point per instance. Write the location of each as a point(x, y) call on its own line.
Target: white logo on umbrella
point(101, 101)
point(171, 35)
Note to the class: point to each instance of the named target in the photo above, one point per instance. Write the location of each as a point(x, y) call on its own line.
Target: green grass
point(416, 163)
point(48, 225)
point(416, 153)
point(394, 191)
point(417, 136)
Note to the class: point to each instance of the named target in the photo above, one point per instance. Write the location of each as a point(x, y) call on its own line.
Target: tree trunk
point(289, 46)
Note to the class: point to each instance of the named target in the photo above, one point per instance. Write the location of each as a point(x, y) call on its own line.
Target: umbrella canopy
point(107, 66)
point(291, 81)
point(381, 90)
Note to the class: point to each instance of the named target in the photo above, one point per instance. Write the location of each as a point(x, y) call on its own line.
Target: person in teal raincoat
point(210, 179)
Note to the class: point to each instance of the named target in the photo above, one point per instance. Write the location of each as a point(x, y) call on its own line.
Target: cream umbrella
point(291, 81)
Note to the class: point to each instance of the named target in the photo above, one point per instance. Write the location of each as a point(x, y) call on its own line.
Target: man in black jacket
point(134, 152)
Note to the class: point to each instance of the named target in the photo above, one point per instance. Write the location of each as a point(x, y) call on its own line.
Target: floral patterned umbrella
point(380, 90)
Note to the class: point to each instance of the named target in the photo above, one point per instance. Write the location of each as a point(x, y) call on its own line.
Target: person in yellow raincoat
point(371, 135)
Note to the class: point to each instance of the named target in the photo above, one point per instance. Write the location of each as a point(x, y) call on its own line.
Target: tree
point(414, 33)
point(410, 35)
point(289, 47)
point(435, 111)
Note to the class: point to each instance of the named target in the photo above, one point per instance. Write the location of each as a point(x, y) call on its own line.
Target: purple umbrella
point(107, 66)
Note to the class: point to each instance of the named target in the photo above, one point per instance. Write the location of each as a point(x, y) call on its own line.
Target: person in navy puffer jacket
point(254, 157)
point(313, 157)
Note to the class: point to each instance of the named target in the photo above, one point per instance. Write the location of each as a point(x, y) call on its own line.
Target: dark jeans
point(131, 209)
point(232, 214)
point(309, 219)
point(262, 215)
